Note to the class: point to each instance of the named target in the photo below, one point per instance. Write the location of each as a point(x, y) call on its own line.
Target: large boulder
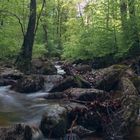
point(54, 122)
point(10, 73)
point(5, 82)
point(40, 66)
point(123, 121)
point(136, 82)
point(8, 76)
point(107, 78)
point(29, 84)
point(130, 102)
point(49, 68)
point(83, 68)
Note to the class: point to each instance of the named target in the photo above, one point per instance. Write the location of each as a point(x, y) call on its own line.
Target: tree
point(134, 33)
point(124, 21)
point(23, 61)
point(129, 26)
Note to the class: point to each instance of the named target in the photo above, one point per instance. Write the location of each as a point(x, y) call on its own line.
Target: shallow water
point(16, 107)
point(28, 108)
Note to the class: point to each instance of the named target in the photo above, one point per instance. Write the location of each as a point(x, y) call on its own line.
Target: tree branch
point(14, 15)
point(37, 23)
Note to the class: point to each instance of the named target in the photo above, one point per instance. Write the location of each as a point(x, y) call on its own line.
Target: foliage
point(73, 29)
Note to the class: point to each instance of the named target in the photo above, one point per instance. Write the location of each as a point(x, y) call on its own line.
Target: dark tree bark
point(134, 32)
point(23, 61)
point(129, 27)
point(123, 11)
point(59, 23)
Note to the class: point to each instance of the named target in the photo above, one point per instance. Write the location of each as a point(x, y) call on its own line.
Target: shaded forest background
point(72, 29)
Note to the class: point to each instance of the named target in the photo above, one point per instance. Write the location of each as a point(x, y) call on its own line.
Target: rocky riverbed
point(78, 103)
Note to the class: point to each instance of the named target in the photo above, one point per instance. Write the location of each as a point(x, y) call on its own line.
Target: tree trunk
point(130, 29)
point(134, 35)
point(123, 11)
point(23, 61)
point(45, 29)
point(58, 30)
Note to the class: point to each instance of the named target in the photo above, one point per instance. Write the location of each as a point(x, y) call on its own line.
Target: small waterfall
point(60, 71)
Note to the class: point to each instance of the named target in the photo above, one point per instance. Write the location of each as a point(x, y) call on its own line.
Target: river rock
point(16, 132)
point(107, 78)
point(54, 79)
point(130, 102)
point(9, 76)
point(136, 82)
point(29, 84)
point(83, 68)
point(10, 73)
point(43, 67)
point(54, 122)
point(123, 121)
point(71, 81)
point(6, 82)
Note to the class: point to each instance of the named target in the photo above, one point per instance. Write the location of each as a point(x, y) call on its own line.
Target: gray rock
point(20, 132)
point(54, 122)
point(29, 84)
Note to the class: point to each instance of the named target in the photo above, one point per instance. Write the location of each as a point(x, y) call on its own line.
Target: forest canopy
point(72, 29)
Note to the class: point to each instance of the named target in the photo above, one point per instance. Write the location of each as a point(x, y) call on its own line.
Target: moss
point(119, 67)
point(78, 80)
point(81, 82)
point(136, 82)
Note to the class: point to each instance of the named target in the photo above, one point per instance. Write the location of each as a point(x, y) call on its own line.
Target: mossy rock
point(54, 122)
point(124, 120)
point(107, 78)
point(136, 82)
point(71, 81)
point(29, 84)
point(40, 66)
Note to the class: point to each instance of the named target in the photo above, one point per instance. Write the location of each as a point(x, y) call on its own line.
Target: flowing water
point(28, 108)
point(16, 107)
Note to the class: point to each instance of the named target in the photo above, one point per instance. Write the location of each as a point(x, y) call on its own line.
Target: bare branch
point(80, 12)
point(14, 15)
point(37, 23)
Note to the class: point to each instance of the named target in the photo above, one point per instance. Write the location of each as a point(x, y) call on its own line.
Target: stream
point(29, 108)
point(22, 108)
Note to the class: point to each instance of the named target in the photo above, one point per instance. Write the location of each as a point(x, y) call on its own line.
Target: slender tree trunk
point(45, 29)
point(123, 11)
point(24, 59)
point(107, 15)
point(59, 24)
point(134, 35)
